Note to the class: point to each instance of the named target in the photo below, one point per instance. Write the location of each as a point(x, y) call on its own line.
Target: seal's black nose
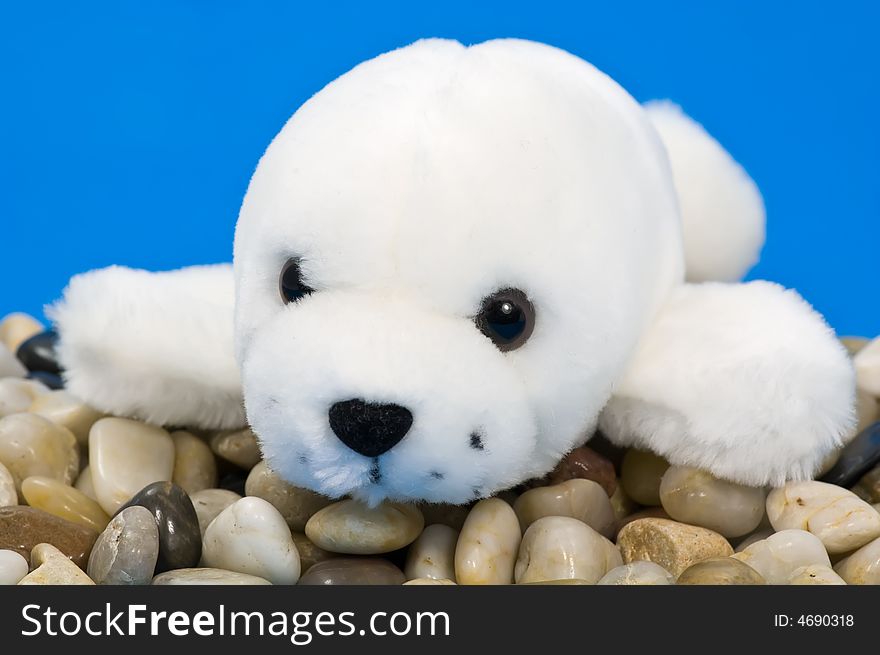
point(369, 428)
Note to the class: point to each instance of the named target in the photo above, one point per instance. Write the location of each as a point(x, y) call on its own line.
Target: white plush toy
point(451, 265)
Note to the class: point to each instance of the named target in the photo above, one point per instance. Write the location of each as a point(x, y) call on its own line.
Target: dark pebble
point(38, 353)
point(858, 457)
point(585, 463)
point(180, 540)
point(22, 528)
point(51, 380)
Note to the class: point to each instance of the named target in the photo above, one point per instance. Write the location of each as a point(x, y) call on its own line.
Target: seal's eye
point(507, 317)
point(290, 282)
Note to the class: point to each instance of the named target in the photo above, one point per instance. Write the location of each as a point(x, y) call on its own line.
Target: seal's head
point(443, 262)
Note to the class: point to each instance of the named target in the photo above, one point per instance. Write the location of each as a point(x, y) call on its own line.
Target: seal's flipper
point(152, 346)
point(721, 208)
point(743, 380)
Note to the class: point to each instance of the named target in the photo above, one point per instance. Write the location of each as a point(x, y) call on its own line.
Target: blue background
point(128, 130)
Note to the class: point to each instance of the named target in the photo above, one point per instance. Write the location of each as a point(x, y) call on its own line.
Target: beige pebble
point(195, 468)
point(207, 576)
point(239, 447)
point(487, 545)
point(10, 367)
point(84, 483)
point(757, 535)
point(32, 445)
point(16, 328)
point(863, 566)
point(674, 546)
point(51, 567)
point(854, 344)
point(580, 499)
point(62, 408)
point(59, 499)
point(779, 555)
point(13, 567)
point(8, 494)
point(428, 581)
point(640, 475)
point(125, 456)
point(639, 573)
point(17, 395)
point(208, 503)
point(815, 574)
point(697, 497)
point(297, 505)
point(867, 364)
point(560, 547)
point(841, 520)
point(309, 553)
point(250, 536)
point(720, 571)
point(868, 487)
point(353, 528)
point(432, 555)
point(867, 410)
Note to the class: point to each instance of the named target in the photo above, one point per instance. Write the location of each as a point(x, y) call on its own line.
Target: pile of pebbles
point(88, 499)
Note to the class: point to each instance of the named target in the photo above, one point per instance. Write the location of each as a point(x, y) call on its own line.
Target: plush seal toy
point(451, 266)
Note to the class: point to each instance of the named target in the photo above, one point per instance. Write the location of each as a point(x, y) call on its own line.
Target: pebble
point(180, 540)
point(640, 475)
point(353, 571)
point(646, 513)
point(697, 497)
point(868, 487)
point(59, 499)
point(353, 528)
point(309, 553)
point(561, 547)
point(428, 581)
point(37, 352)
point(756, 536)
point(815, 574)
point(779, 555)
point(250, 536)
point(84, 483)
point(16, 328)
point(432, 555)
point(863, 566)
point(124, 457)
point(854, 344)
point(8, 494)
point(207, 576)
point(867, 410)
point(208, 503)
point(10, 367)
point(126, 551)
point(452, 515)
point(22, 528)
point(13, 567)
point(622, 504)
point(585, 463)
point(195, 468)
point(17, 395)
point(32, 445)
point(674, 546)
point(51, 567)
point(867, 364)
point(66, 410)
point(297, 505)
point(239, 447)
point(580, 499)
point(488, 543)
point(720, 571)
point(858, 457)
point(637, 573)
point(841, 520)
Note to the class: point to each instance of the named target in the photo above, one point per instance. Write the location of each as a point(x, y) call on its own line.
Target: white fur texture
point(410, 189)
point(743, 380)
point(721, 208)
point(155, 346)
